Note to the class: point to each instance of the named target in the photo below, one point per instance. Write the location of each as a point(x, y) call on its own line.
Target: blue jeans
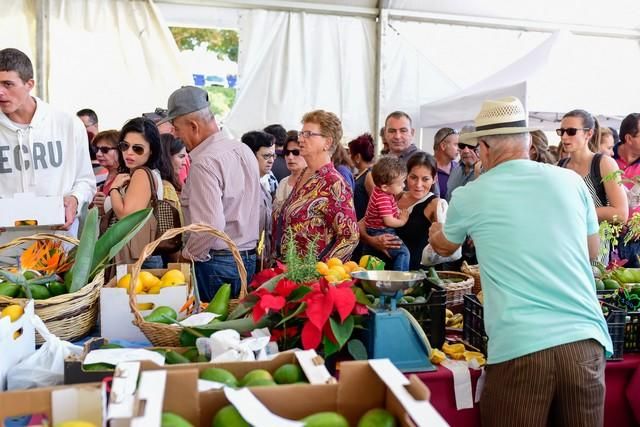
point(221, 269)
point(153, 261)
point(400, 257)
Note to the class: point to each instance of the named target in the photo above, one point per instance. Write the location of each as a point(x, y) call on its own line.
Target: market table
point(622, 396)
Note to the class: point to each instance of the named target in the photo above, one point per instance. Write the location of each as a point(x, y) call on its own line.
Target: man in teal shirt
point(535, 229)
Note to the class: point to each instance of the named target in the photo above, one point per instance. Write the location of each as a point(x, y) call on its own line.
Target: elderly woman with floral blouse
point(320, 206)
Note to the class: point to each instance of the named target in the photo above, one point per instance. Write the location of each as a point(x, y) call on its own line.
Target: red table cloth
point(621, 406)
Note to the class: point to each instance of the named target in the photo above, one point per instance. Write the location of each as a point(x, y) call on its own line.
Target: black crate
point(431, 314)
point(473, 323)
point(632, 327)
point(616, 324)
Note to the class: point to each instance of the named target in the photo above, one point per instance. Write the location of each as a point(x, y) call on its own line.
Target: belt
point(228, 252)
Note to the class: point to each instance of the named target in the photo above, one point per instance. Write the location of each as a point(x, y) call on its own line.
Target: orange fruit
point(338, 271)
point(351, 266)
point(322, 268)
point(333, 262)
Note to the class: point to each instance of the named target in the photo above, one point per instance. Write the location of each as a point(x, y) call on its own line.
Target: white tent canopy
point(563, 73)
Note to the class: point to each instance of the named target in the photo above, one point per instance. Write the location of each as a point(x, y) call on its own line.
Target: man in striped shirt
point(382, 214)
point(222, 190)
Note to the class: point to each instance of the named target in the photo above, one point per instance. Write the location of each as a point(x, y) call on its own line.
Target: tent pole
point(377, 122)
point(42, 88)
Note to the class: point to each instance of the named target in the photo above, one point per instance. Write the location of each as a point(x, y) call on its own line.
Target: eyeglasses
point(295, 152)
point(448, 134)
point(105, 150)
point(124, 147)
point(268, 156)
point(569, 131)
point(308, 134)
point(462, 146)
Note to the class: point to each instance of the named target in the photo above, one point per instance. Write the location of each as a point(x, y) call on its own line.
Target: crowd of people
point(510, 196)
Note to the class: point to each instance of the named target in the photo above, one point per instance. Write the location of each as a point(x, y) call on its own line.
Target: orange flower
point(46, 256)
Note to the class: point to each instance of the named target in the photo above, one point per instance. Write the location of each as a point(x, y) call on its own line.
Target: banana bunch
point(453, 320)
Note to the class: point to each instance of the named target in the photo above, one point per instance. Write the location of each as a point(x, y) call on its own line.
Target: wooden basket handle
point(169, 234)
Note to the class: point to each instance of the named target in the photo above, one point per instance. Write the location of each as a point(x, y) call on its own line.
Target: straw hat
point(499, 117)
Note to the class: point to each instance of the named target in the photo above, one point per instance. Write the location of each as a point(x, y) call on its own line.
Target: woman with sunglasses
point(105, 144)
point(130, 191)
point(295, 165)
point(580, 136)
point(320, 207)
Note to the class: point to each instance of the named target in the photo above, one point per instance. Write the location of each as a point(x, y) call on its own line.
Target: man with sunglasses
point(42, 150)
point(534, 240)
point(223, 191)
point(465, 171)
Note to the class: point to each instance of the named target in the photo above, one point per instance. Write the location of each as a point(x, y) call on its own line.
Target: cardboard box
point(13, 350)
point(361, 386)
point(180, 397)
point(116, 319)
point(28, 211)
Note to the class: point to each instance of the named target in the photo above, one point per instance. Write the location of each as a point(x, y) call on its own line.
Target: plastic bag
point(633, 195)
point(45, 367)
point(429, 256)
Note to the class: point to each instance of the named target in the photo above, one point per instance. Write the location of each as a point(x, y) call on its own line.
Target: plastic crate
point(474, 334)
point(431, 314)
point(473, 324)
point(616, 324)
point(632, 326)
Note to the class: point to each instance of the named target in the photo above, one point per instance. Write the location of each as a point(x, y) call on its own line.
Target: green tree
point(223, 42)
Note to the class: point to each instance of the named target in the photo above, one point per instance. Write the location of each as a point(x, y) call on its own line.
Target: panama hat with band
point(499, 117)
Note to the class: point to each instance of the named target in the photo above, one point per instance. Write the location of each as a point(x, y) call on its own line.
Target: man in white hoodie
point(42, 151)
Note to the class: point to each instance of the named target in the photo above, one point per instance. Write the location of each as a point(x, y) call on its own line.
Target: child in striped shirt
point(383, 215)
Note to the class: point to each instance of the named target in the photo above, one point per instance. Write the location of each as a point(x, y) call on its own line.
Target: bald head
point(496, 149)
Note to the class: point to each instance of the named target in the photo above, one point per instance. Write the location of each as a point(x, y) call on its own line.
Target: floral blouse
point(320, 208)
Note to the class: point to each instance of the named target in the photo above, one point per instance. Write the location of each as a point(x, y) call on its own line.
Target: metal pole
point(42, 60)
point(382, 26)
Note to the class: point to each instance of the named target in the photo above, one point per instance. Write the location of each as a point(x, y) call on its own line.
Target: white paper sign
point(254, 412)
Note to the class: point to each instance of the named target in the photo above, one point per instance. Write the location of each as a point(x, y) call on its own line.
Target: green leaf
point(361, 297)
point(11, 277)
point(299, 293)
point(82, 263)
point(116, 237)
point(241, 325)
point(44, 280)
point(357, 350)
point(343, 331)
point(329, 347)
point(302, 307)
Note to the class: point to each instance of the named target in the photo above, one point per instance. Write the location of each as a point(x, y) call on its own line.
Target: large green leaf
point(79, 273)
point(299, 293)
point(357, 350)
point(241, 325)
point(329, 347)
point(116, 237)
point(343, 331)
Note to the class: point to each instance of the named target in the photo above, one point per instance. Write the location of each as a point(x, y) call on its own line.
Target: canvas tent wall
point(557, 76)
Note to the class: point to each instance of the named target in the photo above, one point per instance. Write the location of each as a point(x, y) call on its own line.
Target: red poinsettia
point(319, 312)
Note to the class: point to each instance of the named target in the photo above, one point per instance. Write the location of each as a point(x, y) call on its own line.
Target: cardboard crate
point(13, 350)
point(58, 403)
point(116, 319)
point(361, 387)
point(26, 211)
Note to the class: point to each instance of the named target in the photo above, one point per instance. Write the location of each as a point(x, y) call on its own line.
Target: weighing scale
point(393, 332)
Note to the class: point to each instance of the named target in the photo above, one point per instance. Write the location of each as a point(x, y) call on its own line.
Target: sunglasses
point(295, 152)
point(137, 149)
point(104, 150)
point(462, 146)
point(569, 131)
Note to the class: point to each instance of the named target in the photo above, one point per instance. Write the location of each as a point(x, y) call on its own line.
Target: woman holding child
point(421, 204)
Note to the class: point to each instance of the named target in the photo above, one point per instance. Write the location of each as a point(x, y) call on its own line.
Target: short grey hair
point(500, 141)
point(203, 114)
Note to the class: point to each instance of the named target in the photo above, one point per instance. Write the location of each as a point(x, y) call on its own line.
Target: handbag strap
point(154, 188)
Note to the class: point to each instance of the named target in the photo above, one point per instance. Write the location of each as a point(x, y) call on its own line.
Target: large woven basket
point(68, 316)
point(456, 291)
point(162, 335)
point(473, 271)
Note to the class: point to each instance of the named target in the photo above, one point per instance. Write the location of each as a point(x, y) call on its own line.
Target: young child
point(382, 214)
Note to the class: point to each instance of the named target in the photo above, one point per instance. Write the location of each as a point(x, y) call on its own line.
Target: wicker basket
point(473, 271)
point(162, 335)
point(68, 316)
point(456, 291)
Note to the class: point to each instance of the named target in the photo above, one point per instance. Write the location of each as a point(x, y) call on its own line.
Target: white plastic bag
point(429, 256)
point(633, 195)
point(45, 367)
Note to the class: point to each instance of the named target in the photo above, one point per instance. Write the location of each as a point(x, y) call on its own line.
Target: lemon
point(322, 268)
point(338, 271)
point(364, 261)
point(154, 290)
point(14, 311)
point(124, 281)
point(351, 266)
point(172, 278)
point(75, 423)
point(333, 262)
point(148, 280)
